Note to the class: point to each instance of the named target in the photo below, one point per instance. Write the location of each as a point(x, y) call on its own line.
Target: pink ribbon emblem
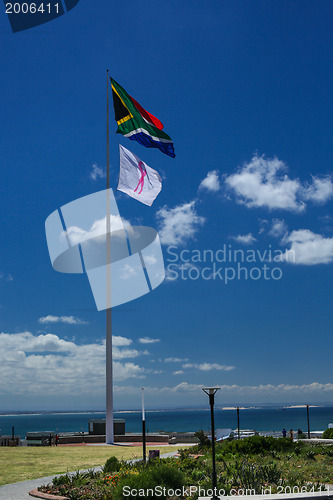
point(141, 180)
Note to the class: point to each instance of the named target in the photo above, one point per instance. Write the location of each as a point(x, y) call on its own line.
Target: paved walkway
point(20, 491)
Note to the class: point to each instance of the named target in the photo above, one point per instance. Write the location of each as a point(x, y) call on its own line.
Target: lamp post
point(238, 422)
point(143, 427)
point(308, 417)
point(211, 391)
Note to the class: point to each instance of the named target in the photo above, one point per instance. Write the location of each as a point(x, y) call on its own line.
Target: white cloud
point(183, 387)
point(269, 389)
point(78, 235)
point(150, 259)
point(178, 224)
point(325, 218)
point(208, 366)
point(263, 223)
point(97, 172)
point(148, 340)
point(279, 228)
point(124, 353)
point(211, 182)
point(245, 239)
point(117, 340)
point(154, 372)
point(263, 183)
point(129, 271)
point(188, 392)
point(308, 248)
point(179, 372)
point(7, 277)
point(57, 366)
point(175, 360)
point(319, 191)
point(69, 320)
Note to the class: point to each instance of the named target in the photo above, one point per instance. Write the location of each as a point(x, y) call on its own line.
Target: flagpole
point(109, 437)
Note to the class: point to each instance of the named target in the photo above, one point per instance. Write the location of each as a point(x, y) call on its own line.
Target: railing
point(9, 441)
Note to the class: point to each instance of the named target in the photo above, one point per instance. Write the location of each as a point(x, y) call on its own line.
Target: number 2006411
point(285, 490)
point(32, 8)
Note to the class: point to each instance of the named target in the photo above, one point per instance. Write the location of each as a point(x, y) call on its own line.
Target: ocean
point(181, 420)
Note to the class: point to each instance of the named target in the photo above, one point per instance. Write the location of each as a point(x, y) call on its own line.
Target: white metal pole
point(109, 434)
point(143, 404)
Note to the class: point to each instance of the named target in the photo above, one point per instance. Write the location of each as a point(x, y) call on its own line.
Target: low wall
point(137, 438)
point(183, 437)
point(127, 438)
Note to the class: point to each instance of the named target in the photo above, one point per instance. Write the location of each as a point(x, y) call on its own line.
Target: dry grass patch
point(24, 463)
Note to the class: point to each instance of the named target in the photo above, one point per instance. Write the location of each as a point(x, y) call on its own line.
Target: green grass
point(24, 463)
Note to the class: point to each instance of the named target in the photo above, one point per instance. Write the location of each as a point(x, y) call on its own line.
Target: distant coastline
point(191, 408)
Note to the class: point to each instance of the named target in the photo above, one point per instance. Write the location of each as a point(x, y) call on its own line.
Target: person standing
point(284, 432)
point(291, 434)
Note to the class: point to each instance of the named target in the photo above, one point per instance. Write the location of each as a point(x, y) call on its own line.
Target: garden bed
point(255, 465)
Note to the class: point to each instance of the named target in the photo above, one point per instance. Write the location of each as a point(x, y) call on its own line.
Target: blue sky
point(244, 90)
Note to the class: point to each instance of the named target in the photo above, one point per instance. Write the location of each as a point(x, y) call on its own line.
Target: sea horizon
point(226, 407)
point(262, 418)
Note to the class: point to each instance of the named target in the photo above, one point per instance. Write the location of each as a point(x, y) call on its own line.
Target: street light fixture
point(211, 391)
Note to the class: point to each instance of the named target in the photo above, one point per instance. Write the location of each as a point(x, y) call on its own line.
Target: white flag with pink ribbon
point(137, 179)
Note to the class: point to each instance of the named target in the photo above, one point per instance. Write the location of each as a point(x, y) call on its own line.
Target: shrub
point(198, 475)
point(255, 476)
point(203, 439)
point(329, 451)
point(310, 454)
point(112, 465)
point(163, 475)
point(76, 479)
point(271, 473)
point(255, 445)
point(187, 463)
point(66, 479)
point(328, 434)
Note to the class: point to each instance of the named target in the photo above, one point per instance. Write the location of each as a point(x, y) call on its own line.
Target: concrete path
point(20, 491)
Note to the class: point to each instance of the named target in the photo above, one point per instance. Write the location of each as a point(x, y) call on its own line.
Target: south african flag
point(137, 124)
